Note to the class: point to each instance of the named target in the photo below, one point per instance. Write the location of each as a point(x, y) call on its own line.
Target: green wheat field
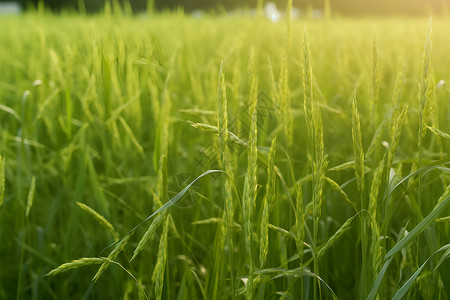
point(224, 157)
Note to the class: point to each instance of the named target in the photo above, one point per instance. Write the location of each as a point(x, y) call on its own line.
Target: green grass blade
point(168, 204)
point(382, 272)
point(380, 277)
point(439, 133)
point(298, 272)
point(404, 289)
point(443, 203)
point(433, 165)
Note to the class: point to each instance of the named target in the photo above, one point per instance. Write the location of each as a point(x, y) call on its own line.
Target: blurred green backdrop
point(344, 7)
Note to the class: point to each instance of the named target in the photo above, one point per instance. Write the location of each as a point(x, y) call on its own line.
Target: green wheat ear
point(222, 116)
point(75, 264)
point(100, 219)
point(427, 108)
point(373, 212)
point(224, 164)
point(285, 100)
point(319, 161)
point(336, 236)
point(30, 197)
point(308, 105)
point(358, 151)
point(158, 273)
point(426, 88)
point(396, 133)
point(149, 233)
point(222, 127)
point(268, 204)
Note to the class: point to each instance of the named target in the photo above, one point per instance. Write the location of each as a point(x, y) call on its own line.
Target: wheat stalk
point(299, 223)
point(222, 126)
point(373, 207)
point(423, 102)
point(320, 165)
point(250, 185)
point(315, 132)
point(358, 153)
point(268, 203)
point(158, 272)
point(358, 148)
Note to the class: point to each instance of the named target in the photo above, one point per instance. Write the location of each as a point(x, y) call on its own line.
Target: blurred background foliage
point(342, 7)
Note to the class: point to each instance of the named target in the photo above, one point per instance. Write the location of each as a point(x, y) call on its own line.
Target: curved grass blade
point(119, 247)
point(443, 203)
point(167, 205)
point(297, 272)
point(402, 291)
point(439, 133)
point(10, 111)
point(380, 276)
point(131, 275)
point(444, 257)
point(428, 167)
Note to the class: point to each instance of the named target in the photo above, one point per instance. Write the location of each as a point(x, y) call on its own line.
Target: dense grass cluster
point(223, 157)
